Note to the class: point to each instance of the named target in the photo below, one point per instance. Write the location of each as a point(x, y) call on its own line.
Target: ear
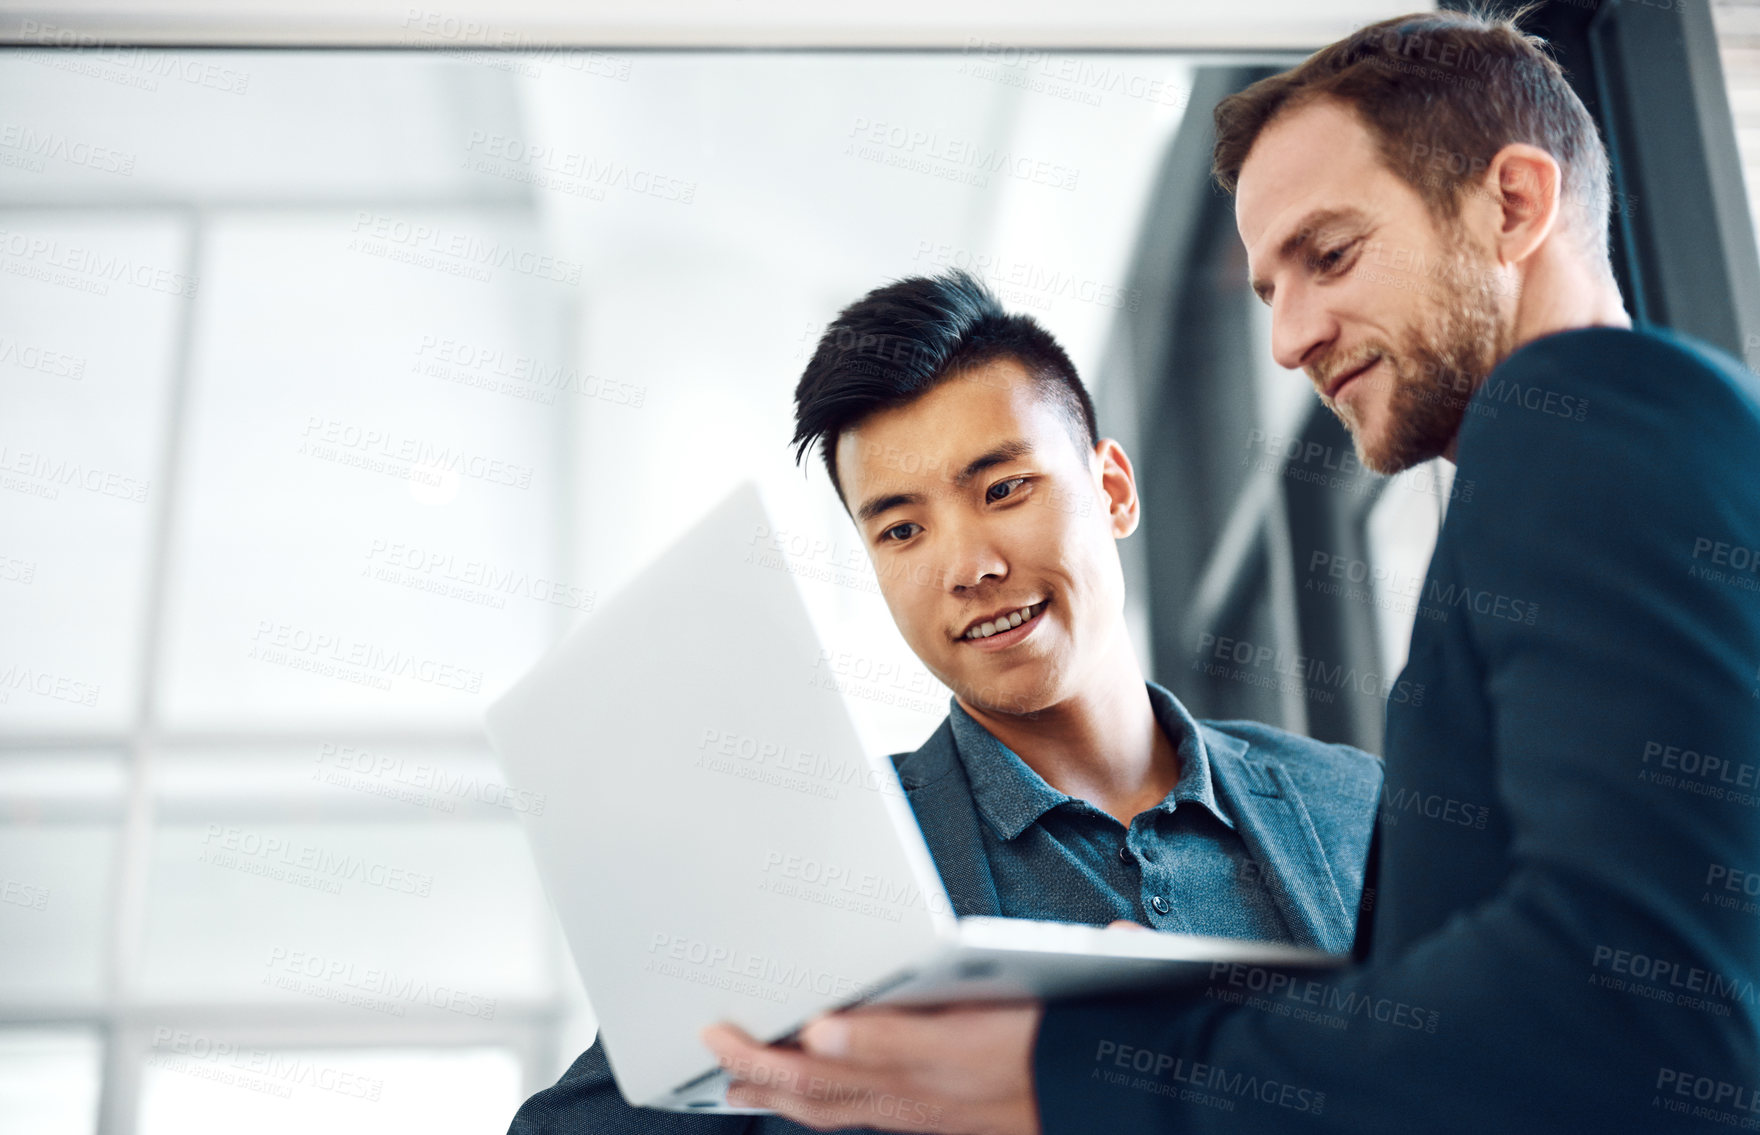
point(1117, 485)
point(1522, 183)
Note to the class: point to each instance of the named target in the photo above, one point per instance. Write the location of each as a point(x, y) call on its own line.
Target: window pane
point(49, 1081)
point(380, 921)
point(197, 1084)
point(367, 533)
point(58, 817)
point(217, 126)
point(1737, 23)
point(1403, 527)
point(89, 306)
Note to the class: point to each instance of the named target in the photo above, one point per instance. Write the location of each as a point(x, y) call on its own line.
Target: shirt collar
point(1011, 796)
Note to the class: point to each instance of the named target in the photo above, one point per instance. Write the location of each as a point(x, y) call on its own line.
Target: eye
point(887, 536)
point(989, 494)
point(1329, 261)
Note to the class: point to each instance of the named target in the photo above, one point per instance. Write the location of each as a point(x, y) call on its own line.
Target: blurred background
point(337, 382)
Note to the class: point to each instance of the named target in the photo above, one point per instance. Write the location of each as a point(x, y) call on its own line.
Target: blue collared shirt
point(1181, 865)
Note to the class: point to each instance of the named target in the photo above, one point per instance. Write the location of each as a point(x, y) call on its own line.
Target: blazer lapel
point(935, 782)
point(1279, 834)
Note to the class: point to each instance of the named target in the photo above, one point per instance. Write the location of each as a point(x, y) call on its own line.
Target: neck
point(1102, 744)
point(1559, 290)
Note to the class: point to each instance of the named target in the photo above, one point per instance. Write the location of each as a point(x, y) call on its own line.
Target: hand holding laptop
point(857, 1068)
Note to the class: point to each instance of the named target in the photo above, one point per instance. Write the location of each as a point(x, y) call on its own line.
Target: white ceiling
point(1147, 24)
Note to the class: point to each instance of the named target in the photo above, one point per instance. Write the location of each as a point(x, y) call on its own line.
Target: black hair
point(903, 339)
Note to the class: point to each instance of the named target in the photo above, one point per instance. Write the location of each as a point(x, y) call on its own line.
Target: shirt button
point(1160, 905)
point(1124, 852)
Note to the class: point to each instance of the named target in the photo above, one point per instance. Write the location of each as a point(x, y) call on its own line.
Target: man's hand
point(959, 1071)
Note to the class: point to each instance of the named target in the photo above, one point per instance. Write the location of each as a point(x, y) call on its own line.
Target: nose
point(1302, 327)
point(972, 561)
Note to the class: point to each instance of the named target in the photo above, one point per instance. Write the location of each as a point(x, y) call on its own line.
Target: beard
point(1439, 363)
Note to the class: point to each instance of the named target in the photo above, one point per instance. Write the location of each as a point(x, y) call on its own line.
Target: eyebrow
point(1299, 239)
point(1007, 451)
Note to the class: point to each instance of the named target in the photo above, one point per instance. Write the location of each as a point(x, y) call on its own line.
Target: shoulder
point(1315, 767)
point(1656, 458)
point(1336, 786)
point(1614, 357)
point(1566, 393)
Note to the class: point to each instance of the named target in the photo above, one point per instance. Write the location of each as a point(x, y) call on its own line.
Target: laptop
point(717, 844)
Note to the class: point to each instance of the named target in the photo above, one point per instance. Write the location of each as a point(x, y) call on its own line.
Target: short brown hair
point(1442, 92)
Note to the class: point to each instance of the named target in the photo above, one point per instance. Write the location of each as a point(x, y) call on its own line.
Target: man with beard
point(1562, 935)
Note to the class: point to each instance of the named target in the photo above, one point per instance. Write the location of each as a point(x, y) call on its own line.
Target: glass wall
point(334, 386)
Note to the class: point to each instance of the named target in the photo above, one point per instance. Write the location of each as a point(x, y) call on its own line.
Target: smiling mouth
point(1005, 623)
point(1339, 384)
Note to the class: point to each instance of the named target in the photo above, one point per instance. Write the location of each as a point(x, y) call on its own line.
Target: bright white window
point(334, 386)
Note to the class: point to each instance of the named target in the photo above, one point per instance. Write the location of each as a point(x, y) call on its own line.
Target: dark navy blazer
point(1304, 809)
point(1565, 932)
